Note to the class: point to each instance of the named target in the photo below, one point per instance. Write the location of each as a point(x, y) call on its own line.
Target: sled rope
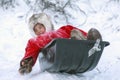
point(95, 48)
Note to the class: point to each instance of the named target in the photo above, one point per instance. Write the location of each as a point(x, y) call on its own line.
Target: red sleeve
point(34, 46)
point(31, 50)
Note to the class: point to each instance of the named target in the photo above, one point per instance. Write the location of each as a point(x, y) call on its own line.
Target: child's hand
point(26, 66)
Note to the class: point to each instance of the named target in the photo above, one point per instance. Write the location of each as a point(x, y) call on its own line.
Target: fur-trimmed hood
point(41, 18)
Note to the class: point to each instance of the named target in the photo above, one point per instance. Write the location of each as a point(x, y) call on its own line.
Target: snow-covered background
point(14, 34)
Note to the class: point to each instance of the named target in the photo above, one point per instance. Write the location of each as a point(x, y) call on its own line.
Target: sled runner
point(73, 56)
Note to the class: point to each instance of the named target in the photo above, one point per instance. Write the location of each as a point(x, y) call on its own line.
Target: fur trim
point(40, 18)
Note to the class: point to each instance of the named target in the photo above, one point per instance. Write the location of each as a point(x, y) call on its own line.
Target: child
point(42, 30)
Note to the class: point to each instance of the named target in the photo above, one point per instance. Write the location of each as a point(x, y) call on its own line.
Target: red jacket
point(35, 45)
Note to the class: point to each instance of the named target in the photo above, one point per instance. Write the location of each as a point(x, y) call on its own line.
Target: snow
point(101, 14)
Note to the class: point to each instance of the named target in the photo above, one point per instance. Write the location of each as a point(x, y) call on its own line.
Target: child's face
point(39, 29)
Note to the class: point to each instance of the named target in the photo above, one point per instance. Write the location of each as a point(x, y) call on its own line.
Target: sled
point(72, 56)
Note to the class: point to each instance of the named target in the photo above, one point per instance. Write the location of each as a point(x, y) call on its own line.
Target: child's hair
point(41, 18)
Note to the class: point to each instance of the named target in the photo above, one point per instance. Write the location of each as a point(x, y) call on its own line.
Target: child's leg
point(76, 34)
point(93, 34)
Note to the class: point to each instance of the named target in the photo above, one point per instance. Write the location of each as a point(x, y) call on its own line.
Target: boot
point(26, 66)
point(94, 34)
point(76, 34)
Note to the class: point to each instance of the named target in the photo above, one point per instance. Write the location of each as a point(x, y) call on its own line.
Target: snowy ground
point(14, 35)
